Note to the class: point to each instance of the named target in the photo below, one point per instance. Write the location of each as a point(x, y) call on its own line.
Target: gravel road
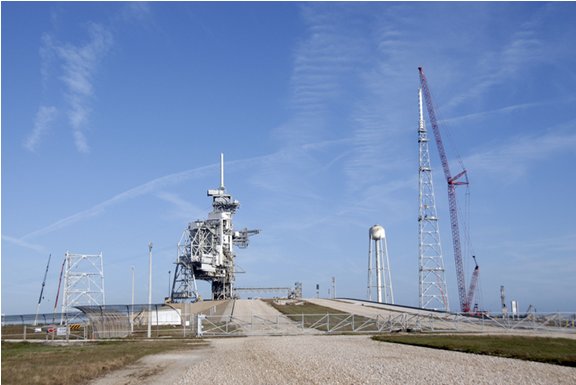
point(330, 360)
point(356, 360)
point(324, 359)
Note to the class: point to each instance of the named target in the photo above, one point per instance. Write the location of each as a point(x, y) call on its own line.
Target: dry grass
point(26, 363)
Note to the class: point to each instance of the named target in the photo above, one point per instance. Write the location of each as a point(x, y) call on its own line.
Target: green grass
point(316, 316)
point(559, 351)
point(25, 363)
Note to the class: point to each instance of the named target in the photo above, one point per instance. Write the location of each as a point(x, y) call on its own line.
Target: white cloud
point(149, 187)
point(478, 116)
point(516, 154)
point(323, 62)
point(77, 65)
point(524, 49)
point(22, 243)
point(44, 117)
point(136, 10)
point(182, 208)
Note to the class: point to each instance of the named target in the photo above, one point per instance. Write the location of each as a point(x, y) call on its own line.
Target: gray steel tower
point(432, 284)
point(205, 250)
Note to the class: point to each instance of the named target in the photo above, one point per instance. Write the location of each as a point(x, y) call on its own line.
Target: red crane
point(459, 179)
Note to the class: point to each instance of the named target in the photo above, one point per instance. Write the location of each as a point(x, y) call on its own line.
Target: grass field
point(26, 363)
point(559, 351)
point(316, 316)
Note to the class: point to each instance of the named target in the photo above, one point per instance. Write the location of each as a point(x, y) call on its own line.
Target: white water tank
point(377, 232)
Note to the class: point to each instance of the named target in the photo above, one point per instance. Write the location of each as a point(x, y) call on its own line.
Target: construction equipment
point(473, 284)
point(457, 180)
point(42, 290)
point(432, 282)
point(58, 291)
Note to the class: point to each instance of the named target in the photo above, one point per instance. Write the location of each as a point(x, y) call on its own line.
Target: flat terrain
point(40, 364)
point(266, 358)
point(331, 360)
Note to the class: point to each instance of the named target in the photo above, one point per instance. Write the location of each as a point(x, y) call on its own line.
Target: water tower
point(379, 263)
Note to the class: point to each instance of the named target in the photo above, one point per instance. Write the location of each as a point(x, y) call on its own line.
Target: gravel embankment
point(356, 360)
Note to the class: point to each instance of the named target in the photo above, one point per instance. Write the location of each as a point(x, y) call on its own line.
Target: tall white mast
point(222, 171)
point(432, 284)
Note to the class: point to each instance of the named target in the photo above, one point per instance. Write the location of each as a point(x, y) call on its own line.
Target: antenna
point(222, 171)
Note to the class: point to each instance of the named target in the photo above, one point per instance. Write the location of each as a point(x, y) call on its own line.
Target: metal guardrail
point(131, 322)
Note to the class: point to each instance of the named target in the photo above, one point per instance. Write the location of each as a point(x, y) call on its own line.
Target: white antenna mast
point(222, 171)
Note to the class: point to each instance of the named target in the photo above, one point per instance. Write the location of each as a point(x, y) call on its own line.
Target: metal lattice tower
point(379, 263)
point(432, 284)
point(83, 281)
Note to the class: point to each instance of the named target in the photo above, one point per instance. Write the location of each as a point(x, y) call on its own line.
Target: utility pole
point(132, 307)
point(333, 287)
point(150, 290)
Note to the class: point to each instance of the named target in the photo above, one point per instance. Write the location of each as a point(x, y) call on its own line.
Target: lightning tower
point(432, 284)
point(205, 250)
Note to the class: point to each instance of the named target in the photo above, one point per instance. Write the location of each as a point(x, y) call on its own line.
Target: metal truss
point(83, 281)
point(432, 283)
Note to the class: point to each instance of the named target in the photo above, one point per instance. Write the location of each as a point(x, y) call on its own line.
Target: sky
point(114, 116)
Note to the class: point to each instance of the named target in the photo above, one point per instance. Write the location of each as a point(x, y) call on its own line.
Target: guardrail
point(127, 321)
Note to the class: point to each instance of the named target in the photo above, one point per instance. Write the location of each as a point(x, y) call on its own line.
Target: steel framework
point(205, 250)
point(83, 281)
point(453, 181)
point(433, 293)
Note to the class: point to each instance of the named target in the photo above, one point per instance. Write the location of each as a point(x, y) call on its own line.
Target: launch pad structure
point(206, 249)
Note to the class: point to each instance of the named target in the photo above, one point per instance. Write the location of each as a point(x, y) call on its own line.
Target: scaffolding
point(83, 281)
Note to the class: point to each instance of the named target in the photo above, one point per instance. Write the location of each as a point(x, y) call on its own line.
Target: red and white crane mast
point(459, 179)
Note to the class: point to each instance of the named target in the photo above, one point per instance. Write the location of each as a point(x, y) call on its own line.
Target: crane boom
point(453, 181)
point(473, 284)
point(42, 290)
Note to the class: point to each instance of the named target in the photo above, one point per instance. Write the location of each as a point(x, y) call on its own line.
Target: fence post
point(199, 330)
point(184, 319)
point(157, 320)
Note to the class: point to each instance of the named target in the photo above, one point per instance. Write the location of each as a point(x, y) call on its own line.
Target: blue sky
point(114, 116)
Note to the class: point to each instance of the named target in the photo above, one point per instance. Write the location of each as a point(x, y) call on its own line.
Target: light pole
point(132, 307)
point(150, 290)
point(333, 287)
point(169, 276)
